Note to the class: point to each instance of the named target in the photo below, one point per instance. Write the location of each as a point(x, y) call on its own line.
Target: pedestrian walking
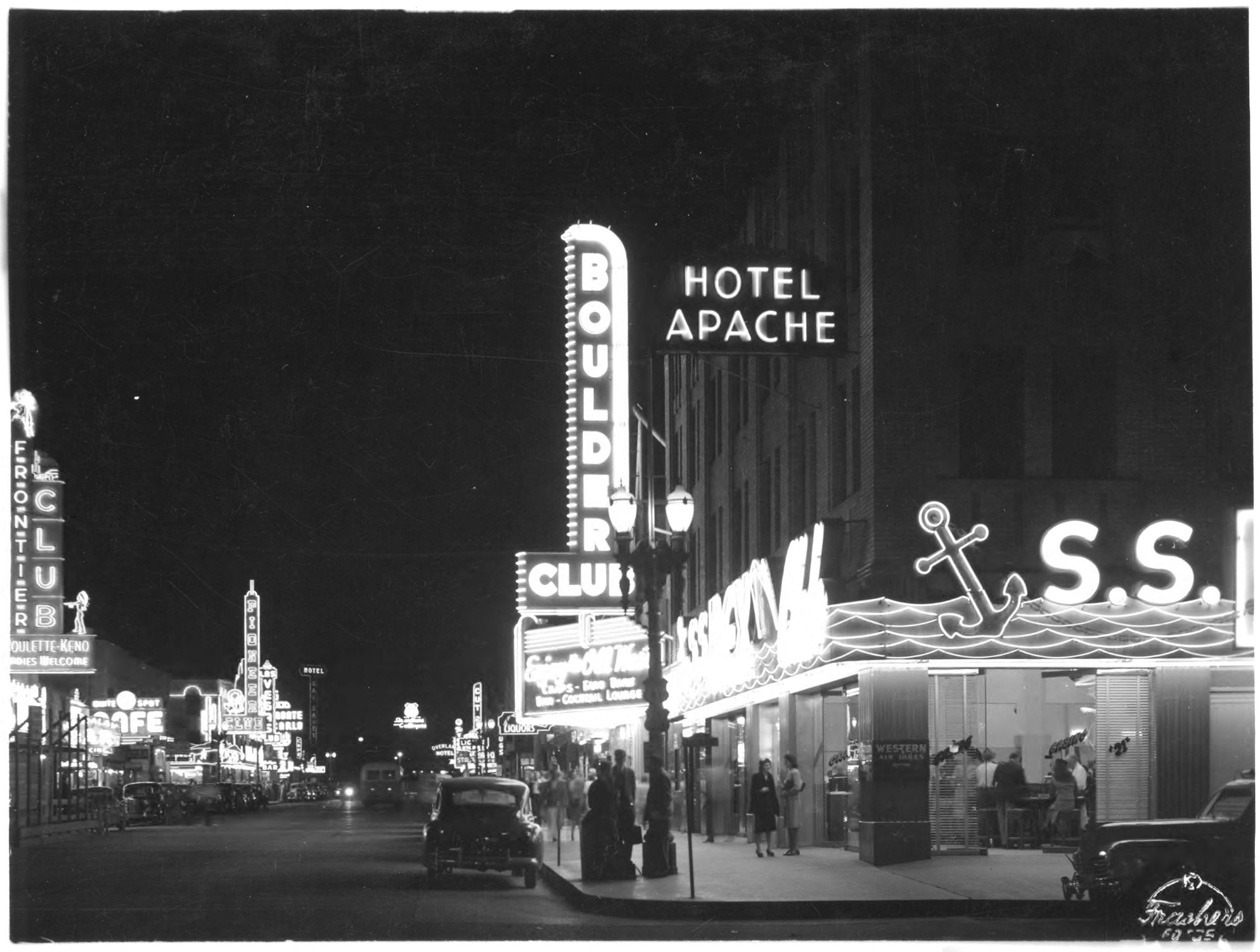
point(555, 796)
point(577, 800)
point(763, 804)
point(791, 788)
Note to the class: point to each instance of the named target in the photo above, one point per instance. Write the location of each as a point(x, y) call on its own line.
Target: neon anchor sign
point(991, 620)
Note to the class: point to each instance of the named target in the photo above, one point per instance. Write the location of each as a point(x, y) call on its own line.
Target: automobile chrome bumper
point(461, 859)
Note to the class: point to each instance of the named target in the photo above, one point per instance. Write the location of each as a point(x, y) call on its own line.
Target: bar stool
point(1020, 832)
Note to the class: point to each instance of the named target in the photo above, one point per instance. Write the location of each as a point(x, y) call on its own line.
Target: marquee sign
point(54, 654)
point(754, 634)
point(752, 309)
point(587, 576)
point(582, 667)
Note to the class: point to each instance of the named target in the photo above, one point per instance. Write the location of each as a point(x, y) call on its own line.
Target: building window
point(763, 507)
point(991, 413)
point(796, 475)
point(811, 469)
point(693, 445)
point(1083, 404)
point(853, 243)
point(855, 429)
point(710, 553)
point(675, 459)
point(737, 532)
point(840, 444)
point(776, 499)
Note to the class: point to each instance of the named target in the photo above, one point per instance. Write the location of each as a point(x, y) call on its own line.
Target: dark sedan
point(482, 823)
point(1136, 870)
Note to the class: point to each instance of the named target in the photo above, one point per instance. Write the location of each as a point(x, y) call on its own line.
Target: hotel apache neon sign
point(759, 309)
point(587, 576)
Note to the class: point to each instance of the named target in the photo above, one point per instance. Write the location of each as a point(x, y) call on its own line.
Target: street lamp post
point(652, 559)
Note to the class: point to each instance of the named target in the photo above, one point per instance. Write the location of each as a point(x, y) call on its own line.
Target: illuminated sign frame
point(597, 340)
point(36, 538)
point(253, 656)
point(595, 665)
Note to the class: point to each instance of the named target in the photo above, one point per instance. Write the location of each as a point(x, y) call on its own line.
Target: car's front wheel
point(531, 877)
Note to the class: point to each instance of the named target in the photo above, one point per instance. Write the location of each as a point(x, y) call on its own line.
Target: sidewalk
point(823, 882)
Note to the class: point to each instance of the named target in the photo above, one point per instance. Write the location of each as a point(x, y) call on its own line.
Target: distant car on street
point(482, 823)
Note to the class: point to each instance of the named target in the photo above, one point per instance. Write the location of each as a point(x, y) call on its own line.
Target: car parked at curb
point(482, 823)
point(1121, 865)
point(99, 803)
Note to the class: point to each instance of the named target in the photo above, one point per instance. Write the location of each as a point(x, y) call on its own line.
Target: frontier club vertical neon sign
point(587, 577)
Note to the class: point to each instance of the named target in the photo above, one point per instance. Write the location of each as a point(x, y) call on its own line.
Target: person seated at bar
point(1064, 802)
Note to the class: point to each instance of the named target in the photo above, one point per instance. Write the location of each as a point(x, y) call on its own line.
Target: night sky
point(288, 288)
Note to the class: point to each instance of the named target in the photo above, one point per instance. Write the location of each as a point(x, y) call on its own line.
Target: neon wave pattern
point(886, 630)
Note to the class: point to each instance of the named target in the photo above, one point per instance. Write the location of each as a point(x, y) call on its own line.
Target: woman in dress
point(763, 804)
point(791, 789)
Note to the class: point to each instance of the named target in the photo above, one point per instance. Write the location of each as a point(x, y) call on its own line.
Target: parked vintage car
point(482, 823)
point(1121, 865)
point(148, 801)
point(208, 798)
point(98, 803)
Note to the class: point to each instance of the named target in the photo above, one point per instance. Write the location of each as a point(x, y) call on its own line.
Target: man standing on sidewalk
point(656, 814)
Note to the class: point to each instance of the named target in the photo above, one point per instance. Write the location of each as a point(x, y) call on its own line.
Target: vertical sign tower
point(38, 589)
point(253, 658)
point(313, 672)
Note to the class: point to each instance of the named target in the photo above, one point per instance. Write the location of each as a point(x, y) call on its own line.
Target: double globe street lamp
point(652, 559)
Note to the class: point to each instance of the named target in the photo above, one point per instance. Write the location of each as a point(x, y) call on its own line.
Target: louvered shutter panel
point(952, 717)
point(1123, 781)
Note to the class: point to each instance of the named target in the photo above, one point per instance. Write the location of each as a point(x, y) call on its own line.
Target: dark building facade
point(1041, 264)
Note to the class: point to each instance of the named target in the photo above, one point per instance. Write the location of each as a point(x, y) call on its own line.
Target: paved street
point(319, 872)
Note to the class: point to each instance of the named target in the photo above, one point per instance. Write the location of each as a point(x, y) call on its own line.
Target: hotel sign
point(752, 309)
point(587, 577)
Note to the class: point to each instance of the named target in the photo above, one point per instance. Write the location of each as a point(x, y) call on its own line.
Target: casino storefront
point(888, 705)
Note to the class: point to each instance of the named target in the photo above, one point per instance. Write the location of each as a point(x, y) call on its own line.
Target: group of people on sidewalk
point(763, 804)
point(604, 808)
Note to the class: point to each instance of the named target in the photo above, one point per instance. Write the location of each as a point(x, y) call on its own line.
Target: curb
point(684, 908)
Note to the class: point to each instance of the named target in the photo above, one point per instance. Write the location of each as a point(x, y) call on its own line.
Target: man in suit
point(1010, 788)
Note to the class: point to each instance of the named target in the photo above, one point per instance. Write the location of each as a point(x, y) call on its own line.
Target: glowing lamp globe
point(621, 510)
point(680, 507)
